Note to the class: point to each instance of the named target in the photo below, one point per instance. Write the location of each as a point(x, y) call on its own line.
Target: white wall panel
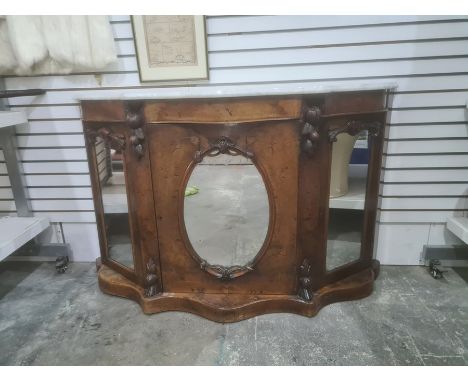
point(455, 114)
point(424, 203)
point(62, 205)
point(55, 180)
point(4, 181)
point(70, 217)
point(83, 240)
point(7, 206)
point(450, 99)
point(426, 161)
point(340, 36)
point(278, 23)
point(5, 193)
point(58, 140)
point(50, 127)
point(424, 131)
point(428, 146)
point(415, 189)
point(416, 216)
point(83, 192)
point(55, 167)
point(426, 158)
point(48, 154)
point(57, 112)
point(407, 250)
point(333, 54)
point(426, 175)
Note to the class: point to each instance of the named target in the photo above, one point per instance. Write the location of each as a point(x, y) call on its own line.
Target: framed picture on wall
point(170, 48)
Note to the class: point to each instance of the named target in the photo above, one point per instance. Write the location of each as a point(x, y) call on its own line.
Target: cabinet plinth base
point(238, 307)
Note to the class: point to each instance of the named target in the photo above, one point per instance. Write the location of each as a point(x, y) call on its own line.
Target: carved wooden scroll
point(151, 280)
point(135, 120)
point(310, 136)
point(354, 127)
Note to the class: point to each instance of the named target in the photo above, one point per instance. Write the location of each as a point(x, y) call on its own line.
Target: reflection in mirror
point(347, 195)
point(226, 210)
point(114, 201)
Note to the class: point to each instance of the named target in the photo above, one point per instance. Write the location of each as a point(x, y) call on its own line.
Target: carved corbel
point(310, 135)
point(354, 127)
point(151, 279)
point(305, 281)
point(135, 121)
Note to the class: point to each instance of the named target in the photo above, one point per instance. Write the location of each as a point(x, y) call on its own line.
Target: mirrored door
point(110, 159)
point(348, 180)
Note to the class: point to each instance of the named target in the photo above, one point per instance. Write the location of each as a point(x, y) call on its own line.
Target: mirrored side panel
point(110, 165)
point(350, 157)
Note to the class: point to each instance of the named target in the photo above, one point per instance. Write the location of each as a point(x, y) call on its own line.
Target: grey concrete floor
point(51, 319)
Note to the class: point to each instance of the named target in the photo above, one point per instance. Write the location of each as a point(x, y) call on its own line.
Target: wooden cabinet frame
point(289, 139)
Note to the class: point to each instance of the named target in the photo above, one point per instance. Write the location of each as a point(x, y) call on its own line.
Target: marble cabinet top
point(229, 91)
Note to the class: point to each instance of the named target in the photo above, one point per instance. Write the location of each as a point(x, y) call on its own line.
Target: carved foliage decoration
point(310, 135)
point(354, 127)
point(151, 279)
point(305, 281)
point(225, 273)
point(135, 120)
point(223, 145)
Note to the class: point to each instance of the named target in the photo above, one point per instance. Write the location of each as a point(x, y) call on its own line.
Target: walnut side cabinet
point(289, 138)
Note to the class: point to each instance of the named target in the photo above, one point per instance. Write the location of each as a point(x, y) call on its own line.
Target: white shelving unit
point(16, 231)
point(354, 199)
point(459, 227)
point(12, 118)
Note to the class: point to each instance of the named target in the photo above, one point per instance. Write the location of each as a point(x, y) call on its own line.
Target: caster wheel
point(434, 271)
point(61, 264)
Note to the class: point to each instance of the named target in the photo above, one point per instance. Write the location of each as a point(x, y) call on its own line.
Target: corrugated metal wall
point(426, 156)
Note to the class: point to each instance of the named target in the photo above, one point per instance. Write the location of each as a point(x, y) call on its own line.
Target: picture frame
point(170, 48)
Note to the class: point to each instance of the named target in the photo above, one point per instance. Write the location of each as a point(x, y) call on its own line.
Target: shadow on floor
point(462, 272)
point(13, 272)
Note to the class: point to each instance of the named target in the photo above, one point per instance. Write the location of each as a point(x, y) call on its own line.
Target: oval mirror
point(226, 211)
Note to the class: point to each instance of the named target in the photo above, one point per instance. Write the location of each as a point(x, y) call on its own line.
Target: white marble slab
point(231, 91)
point(12, 118)
point(17, 231)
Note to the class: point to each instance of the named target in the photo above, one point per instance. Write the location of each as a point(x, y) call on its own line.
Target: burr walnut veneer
point(289, 139)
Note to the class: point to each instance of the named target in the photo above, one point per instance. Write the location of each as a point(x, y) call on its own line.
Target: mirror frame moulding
point(224, 145)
